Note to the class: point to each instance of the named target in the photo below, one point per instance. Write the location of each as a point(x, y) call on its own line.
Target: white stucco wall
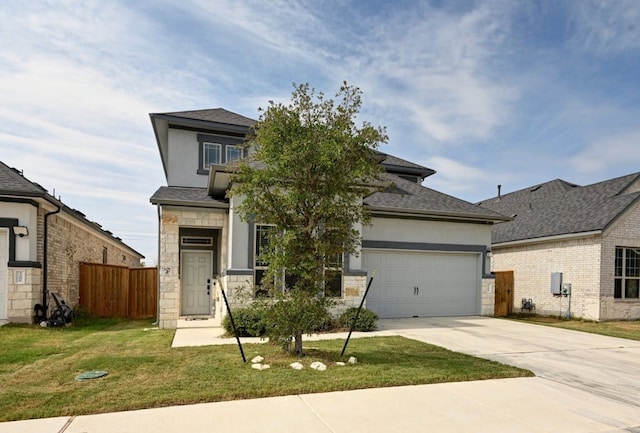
point(183, 160)
point(239, 233)
point(27, 215)
point(406, 230)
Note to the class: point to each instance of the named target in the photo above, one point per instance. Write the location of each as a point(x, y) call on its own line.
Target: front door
point(4, 283)
point(503, 305)
point(196, 275)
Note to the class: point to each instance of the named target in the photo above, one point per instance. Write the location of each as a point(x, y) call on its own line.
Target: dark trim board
point(237, 272)
point(424, 246)
point(24, 264)
point(10, 223)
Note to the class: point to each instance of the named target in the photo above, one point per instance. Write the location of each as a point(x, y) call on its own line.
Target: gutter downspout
point(46, 259)
point(157, 322)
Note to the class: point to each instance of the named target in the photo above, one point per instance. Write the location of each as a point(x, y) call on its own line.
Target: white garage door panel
point(422, 283)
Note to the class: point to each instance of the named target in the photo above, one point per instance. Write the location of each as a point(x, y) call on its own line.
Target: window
point(333, 268)
point(333, 277)
point(260, 264)
point(217, 149)
point(211, 154)
point(234, 153)
point(196, 241)
point(105, 255)
point(627, 273)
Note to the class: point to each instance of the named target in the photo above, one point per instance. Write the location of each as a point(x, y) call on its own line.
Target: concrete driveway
point(603, 366)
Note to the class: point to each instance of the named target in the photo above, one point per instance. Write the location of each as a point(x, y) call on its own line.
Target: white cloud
point(605, 27)
point(614, 154)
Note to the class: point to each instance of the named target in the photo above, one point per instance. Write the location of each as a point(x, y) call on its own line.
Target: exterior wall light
point(21, 231)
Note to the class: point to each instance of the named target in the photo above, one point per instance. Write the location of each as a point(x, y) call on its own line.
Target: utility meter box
point(556, 283)
point(566, 289)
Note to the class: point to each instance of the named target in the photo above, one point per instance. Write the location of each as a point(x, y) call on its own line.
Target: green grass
point(620, 329)
point(38, 367)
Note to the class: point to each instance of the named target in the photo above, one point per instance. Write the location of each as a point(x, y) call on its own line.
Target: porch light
point(21, 231)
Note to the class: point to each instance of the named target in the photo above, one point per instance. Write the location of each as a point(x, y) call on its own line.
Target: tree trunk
point(298, 344)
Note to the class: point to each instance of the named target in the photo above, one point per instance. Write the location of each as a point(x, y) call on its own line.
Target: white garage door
point(420, 284)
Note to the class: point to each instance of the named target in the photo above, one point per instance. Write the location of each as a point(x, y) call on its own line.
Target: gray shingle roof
point(559, 207)
point(13, 183)
point(395, 165)
point(407, 196)
point(218, 115)
point(185, 196)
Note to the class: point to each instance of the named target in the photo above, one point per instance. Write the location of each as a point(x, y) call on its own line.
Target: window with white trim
point(211, 154)
point(260, 267)
point(333, 268)
point(627, 273)
point(234, 153)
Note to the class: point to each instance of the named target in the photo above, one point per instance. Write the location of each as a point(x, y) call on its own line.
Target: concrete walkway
point(567, 395)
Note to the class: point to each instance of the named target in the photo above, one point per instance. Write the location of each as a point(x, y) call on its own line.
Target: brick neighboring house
point(430, 249)
point(31, 219)
point(591, 234)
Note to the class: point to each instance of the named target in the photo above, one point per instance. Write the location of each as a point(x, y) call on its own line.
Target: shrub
point(366, 320)
point(248, 321)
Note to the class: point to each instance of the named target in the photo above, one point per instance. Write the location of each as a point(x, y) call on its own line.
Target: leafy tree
point(309, 167)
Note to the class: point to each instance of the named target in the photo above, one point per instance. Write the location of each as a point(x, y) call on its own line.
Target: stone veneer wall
point(487, 304)
point(24, 291)
point(577, 258)
point(171, 219)
point(238, 286)
point(625, 232)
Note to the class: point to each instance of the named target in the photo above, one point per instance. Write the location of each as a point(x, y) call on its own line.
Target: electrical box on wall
point(556, 283)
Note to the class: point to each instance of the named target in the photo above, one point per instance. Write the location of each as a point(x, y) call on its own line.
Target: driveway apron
point(603, 366)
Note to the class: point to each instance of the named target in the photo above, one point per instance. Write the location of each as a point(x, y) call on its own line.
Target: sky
point(491, 92)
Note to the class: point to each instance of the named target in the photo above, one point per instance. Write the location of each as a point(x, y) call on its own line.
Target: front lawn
point(620, 329)
point(38, 369)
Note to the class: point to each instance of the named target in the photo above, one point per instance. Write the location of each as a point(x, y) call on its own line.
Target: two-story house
point(429, 249)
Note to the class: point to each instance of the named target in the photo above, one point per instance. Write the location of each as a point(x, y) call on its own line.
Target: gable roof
point(560, 208)
point(14, 184)
point(217, 115)
point(408, 197)
point(186, 196)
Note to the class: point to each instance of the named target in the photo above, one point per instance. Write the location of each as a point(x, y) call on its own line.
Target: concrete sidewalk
point(586, 384)
point(492, 406)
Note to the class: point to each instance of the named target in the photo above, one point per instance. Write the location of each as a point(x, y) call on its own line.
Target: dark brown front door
point(504, 294)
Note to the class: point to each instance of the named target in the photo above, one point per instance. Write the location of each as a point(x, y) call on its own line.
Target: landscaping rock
point(341, 364)
point(296, 366)
point(258, 366)
point(257, 359)
point(353, 360)
point(318, 366)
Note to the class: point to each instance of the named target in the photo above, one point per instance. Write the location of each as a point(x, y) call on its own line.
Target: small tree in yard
point(309, 167)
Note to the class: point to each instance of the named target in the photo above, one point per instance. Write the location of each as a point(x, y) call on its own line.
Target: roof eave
point(189, 203)
point(544, 239)
point(457, 216)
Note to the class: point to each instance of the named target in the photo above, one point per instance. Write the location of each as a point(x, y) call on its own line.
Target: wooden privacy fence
point(118, 291)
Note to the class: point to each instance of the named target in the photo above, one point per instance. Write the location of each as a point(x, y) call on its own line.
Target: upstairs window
point(234, 153)
point(211, 154)
point(627, 273)
point(217, 150)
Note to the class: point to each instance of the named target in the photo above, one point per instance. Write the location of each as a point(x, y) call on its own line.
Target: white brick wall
point(532, 264)
point(624, 232)
point(587, 263)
